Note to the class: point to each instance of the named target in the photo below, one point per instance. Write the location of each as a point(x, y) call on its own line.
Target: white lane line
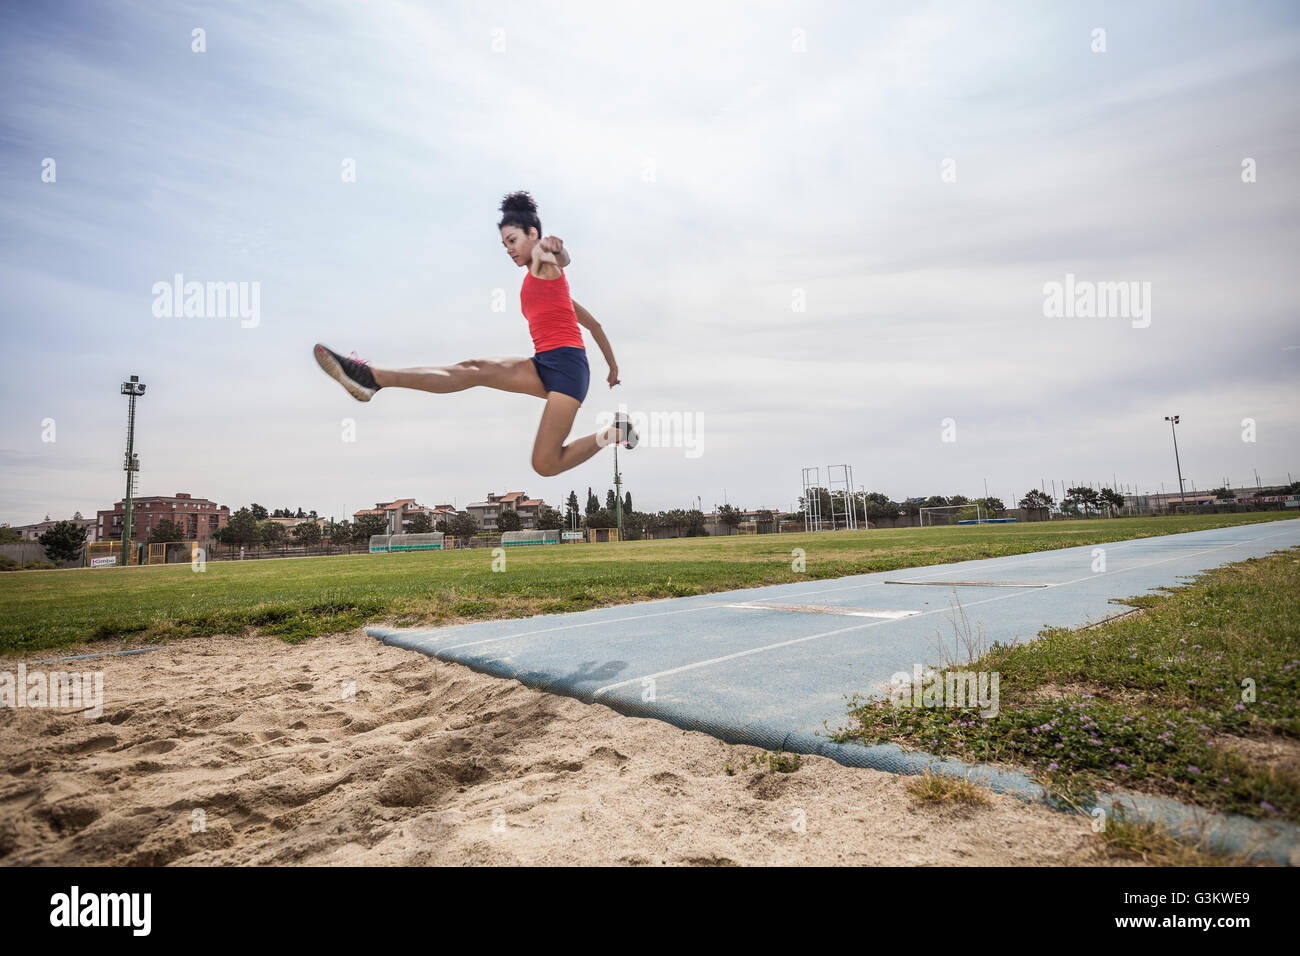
point(827, 609)
point(1036, 556)
point(569, 627)
point(858, 627)
point(973, 584)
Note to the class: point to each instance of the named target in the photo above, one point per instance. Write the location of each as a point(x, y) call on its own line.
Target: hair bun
point(519, 201)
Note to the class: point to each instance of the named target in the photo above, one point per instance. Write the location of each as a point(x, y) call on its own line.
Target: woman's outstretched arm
point(587, 320)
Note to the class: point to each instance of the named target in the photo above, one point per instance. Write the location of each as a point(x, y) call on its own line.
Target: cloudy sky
point(819, 231)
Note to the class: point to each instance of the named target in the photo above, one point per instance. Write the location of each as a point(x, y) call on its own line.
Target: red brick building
point(199, 518)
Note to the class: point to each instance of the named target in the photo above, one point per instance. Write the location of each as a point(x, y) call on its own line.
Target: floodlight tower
point(132, 389)
point(1173, 421)
point(618, 494)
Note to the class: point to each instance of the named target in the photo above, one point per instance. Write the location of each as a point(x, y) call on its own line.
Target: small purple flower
point(1193, 770)
point(1053, 766)
point(1265, 805)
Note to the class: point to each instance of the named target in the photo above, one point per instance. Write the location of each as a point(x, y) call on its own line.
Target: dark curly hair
point(520, 210)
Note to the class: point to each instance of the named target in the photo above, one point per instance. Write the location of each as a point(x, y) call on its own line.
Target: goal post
point(970, 513)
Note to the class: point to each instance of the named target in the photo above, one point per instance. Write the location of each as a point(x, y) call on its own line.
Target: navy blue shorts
point(564, 370)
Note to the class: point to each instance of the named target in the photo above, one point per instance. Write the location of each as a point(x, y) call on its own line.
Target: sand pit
point(246, 751)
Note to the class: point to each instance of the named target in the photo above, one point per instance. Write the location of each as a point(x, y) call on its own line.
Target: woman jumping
point(558, 373)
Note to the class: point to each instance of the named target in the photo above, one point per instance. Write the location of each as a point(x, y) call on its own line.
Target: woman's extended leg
point(506, 374)
point(550, 455)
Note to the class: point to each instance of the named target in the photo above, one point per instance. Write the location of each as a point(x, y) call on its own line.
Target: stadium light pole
point(618, 495)
point(1173, 422)
point(132, 389)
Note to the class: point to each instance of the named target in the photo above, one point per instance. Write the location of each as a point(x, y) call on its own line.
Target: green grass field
point(300, 597)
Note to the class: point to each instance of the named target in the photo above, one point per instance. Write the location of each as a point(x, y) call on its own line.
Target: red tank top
point(549, 310)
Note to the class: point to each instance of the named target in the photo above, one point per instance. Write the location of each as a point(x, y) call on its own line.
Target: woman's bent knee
point(546, 466)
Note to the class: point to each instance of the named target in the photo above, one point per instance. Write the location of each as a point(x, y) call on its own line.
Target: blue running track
point(772, 666)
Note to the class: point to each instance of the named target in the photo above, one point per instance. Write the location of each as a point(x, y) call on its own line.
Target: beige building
point(30, 532)
point(398, 513)
point(488, 513)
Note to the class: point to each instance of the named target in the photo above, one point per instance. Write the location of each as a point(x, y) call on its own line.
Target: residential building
point(30, 532)
point(488, 513)
point(399, 513)
point(199, 518)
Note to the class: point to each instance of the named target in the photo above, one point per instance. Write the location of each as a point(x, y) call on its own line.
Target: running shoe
point(352, 373)
point(627, 436)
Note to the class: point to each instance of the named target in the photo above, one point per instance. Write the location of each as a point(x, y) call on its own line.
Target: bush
point(8, 564)
point(38, 566)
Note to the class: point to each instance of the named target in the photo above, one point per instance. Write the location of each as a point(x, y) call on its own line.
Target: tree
point(462, 525)
point(242, 528)
point(1111, 499)
point(1223, 494)
point(991, 506)
point(367, 526)
point(571, 510)
point(695, 524)
point(729, 515)
point(166, 531)
point(674, 519)
point(627, 502)
point(602, 518)
point(300, 514)
point(307, 533)
point(339, 532)
point(8, 535)
point(593, 503)
point(878, 505)
point(272, 533)
point(610, 500)
point(64, 541)
point(420, 523)
point(823, 501)
point(509, 521)
point(1036, 500)
point(258, 512)
point(1082, 497)
point(550, 519)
